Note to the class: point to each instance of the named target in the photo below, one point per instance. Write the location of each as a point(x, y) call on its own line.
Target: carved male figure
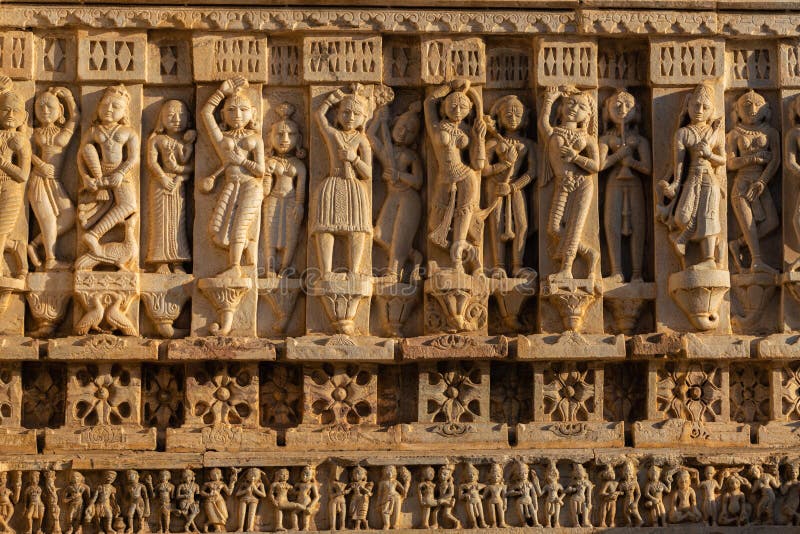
point(102, 507)
point(446, 497)
point(240, 150)
point(496, 497)
point(8, 498)
point(608, 493)
point(75, 497)
point(631, 494)
point(337, 504)
point(752, 151)
point(426, 493)
point(58, 115)
point(573, 159)
point(170, 161)
point(107, 158)
point(654, 491)
point(470, 491)
point(580, 497)
point(284, 193)
point(360, 490)
point(163, 492)
point(213, 493)
point(186, 496)
point(279, 492)
point(734, 508)
point(308, 495)
point(391, 494)
point(708, 490)
point(524, 485)
point(684, 499)
point(138, 502)
point(625, 153)
point(553, 494)
point(250, 491)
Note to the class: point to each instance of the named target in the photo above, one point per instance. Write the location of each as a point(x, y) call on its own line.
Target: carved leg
point(325, 241)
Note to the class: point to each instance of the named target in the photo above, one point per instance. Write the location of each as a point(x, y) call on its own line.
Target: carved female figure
point(654, 491)
point(307, 491)
point(753, 147)
point(789, 510)
point(426, 493)
point(213, 493)
point(580, 497)
point(51, 502)
point(391, 493)
point(33, 505)
point(764, 487)
point(395, 147)
point(631, 493)
point(470, 491)
point(791, 159)
point(75, 496)
point(337, 504)
point(708, 490)
point(251, 489)
point(8, 498)
point(57, 113)
point(693, 213)
point(170, 160)
point(108, 155)
point(163, 493)
point(186, 496)
point(102, 507)
point(240, 149)
point(456, 193)
point(496, 497)
point(684, 500)
point(524, 485)
point(446, 496)
point(138, 506)
point(553, 493)
point(626, 153)
point(285, 192)
point(343, 205)
point(510, 167)
point(15, 168)
point(608, 493)
point(279, 497)
point(360, 490)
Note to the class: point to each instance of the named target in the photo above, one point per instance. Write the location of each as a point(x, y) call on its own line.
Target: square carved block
point(103, 410)
point(218, 57)
point(17, 55)
point(342, 59)
point(445, 59)
point(112, 56)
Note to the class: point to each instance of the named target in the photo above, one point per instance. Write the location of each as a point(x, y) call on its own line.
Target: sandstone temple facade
point(513, 265)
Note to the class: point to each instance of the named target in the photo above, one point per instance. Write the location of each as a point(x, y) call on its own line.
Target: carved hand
point(503, 189)
point(114, 179)
point(479, 128)
point(190, 136)
point(207, 184)
point(234, 157)
point(568, 153)
point(49, 170)
point(347, 154)
point(705, 150)
point(231, 85)
point(511, 154)
point(669, 190)
point(754, 191)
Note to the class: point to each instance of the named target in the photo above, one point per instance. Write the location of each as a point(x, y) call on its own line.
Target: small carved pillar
point(222, 410)
point(108, 210)
point(13, 437)
point(790, 120)
point(16, 93)
point(340, 410)
point(453, 407)
point(340, 184)
point(753, 147)
point(783, 365)
point(228, 195)
point(103, 407)
point(456, 290)
point(169, 133)
point(690, 259)
point(569, 238)
point(568, 393)
point(688, 400)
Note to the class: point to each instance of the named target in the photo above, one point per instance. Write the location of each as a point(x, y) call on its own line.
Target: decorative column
point(789, 60)
point(690, 238)
point(569, 238)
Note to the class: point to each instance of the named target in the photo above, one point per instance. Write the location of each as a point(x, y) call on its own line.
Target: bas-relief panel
point(318, 269)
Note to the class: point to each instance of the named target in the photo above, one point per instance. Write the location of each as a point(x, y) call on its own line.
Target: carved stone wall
point(337, 268)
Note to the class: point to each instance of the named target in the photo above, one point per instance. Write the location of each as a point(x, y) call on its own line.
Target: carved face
point(48, 109)
point(174, 116)
point(351, 114)
point(12, 111)
point(752, 108)
point(621, 108)
point(709, 471)
point(511, 115)
point(405, 130)
point(164, 476)
point(282, 475)
point(457, 106)
point(133, 477)
point(111, 109)
point(700, 108)
point(306, 474)
point(215, 474)
point(110, 477)
point(576, 108)
point(237, 112)
point(683, 479)
point(283, 136)
point(522, 471)
point(628, 470)
point(34, 477)
point(444, 473)
point(653, 473)
point(757, 471)
point(188, 476)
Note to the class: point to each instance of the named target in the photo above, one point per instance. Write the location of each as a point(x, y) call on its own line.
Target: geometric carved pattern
point(103, 56)
point(561, 60)
point(444, 60)
point(342, 59)
point(685, 63)
point(751, 66)
point(16, 54)
point(508, 68)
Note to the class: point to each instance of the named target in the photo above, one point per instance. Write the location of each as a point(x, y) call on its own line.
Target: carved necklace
point(570, 135)
point(747, 131)
point(48, 134)
point(238, 133)
point(108, 132)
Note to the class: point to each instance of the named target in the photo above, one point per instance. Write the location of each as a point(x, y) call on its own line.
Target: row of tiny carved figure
point(503, 158)
point(511, 494)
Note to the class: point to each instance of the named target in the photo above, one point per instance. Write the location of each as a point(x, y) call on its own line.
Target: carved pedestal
point(699, 294)
point(394, 302)
point(280, 296)
point(108, 302)
point(627, 302)
point(572, 298)
point(453, 408)
point(103, 410)
point(225, 295)
point(511, 294)
point(753, 294)
point(222, 410)
point(341, 295)
point(456, 302)
point(340, 409)
point(48, 297)
point(164, 296)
